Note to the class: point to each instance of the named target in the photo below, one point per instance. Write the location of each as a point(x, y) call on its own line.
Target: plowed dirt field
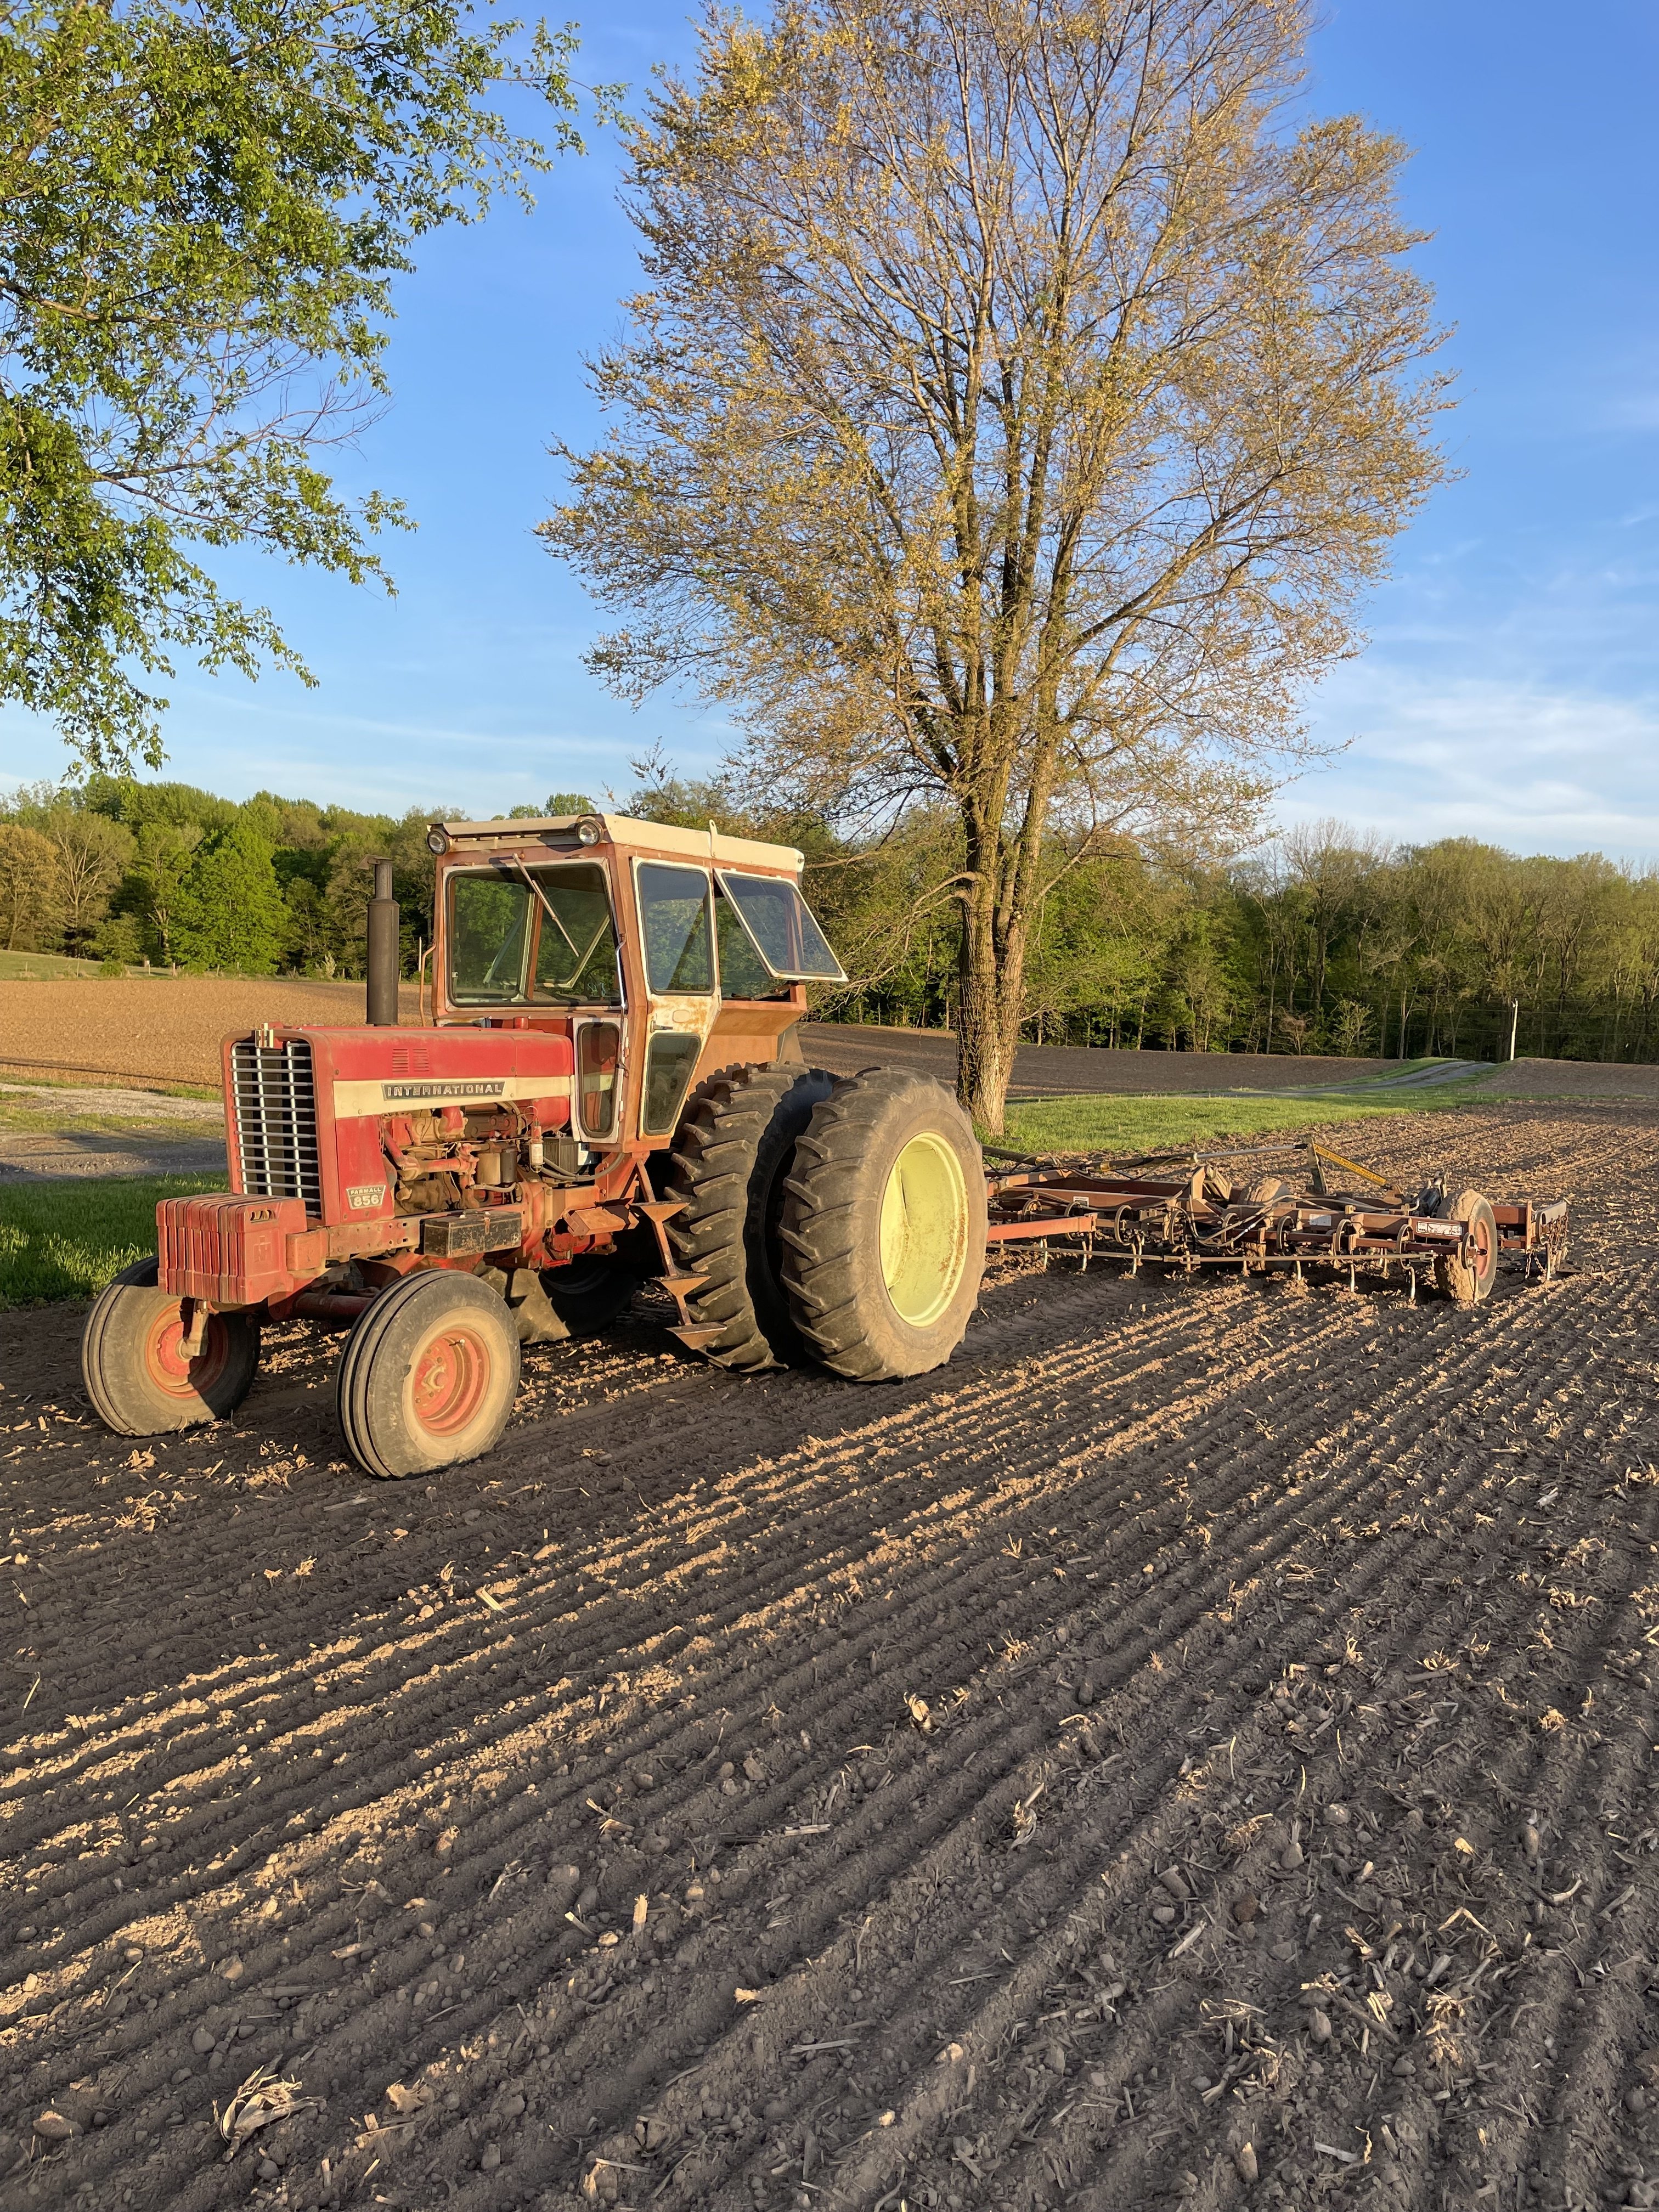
point(158, 1029)
point(1199, 1748)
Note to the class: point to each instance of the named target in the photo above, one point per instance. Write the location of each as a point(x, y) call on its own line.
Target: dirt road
point(1205, 1732)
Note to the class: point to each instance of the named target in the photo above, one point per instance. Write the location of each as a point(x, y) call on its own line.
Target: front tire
point(138, 1380)
point(884, 1226)
point(427, 1375)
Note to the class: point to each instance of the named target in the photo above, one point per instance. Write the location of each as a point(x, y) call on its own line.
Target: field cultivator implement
point(608, 1090)
point(1229, 1209)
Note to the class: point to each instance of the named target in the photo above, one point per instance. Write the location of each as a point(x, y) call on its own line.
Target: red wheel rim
point(450, 1379)
point(165, 1364)
point(1480, 1236)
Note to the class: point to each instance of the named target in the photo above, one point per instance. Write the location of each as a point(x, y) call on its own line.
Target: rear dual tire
point(884, 1227)
point(732, 1155)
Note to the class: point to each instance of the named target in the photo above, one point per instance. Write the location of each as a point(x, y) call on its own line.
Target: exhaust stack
point(383, 920)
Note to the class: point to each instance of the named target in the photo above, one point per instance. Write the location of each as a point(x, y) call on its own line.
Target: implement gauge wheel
point(884, 1226)
point(1468, 1278)
point(133, 1366)
point(429, 1374)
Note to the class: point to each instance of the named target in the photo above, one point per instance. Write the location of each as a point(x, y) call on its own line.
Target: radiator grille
point(275, 1103)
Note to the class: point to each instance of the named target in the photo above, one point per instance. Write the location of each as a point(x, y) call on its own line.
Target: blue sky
point(1510, 689)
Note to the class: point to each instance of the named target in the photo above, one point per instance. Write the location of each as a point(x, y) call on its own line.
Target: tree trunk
point(991, 976)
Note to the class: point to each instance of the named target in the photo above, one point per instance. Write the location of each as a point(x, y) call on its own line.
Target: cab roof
point(621, 830)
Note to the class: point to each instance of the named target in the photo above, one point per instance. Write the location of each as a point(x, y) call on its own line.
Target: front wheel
point(427, 1375)
point(884, 1226)
point(133, 1363)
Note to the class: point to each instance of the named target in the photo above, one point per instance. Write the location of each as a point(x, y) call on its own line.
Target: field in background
point(164, 1032)
point(159, 1030)
point(35, 967)
point(1053, 1071)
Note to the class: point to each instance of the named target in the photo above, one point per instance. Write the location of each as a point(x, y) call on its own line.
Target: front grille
point(274, 1096)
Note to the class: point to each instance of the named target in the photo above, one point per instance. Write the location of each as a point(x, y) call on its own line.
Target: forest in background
point(1325, 940)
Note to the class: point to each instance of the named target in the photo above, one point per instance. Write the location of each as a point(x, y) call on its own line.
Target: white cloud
point(1536, 767)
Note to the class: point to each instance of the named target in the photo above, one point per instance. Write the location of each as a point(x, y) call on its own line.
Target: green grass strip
point(66, 1240)
point(44, 967)
point(1117, 1123)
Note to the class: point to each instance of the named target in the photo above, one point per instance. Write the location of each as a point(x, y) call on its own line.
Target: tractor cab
point(661, 953)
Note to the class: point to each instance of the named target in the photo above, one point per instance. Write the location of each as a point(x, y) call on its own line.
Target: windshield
point(544, 937)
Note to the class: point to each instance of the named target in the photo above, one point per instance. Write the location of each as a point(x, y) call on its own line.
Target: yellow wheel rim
point(924, 1229)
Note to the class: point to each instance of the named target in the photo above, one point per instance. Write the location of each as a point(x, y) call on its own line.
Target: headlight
point(589, 830)
point(437, 840)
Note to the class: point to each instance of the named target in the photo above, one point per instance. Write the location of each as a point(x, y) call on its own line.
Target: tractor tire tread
point(720, 1148)
point(104, 1355)
point(830, 1232)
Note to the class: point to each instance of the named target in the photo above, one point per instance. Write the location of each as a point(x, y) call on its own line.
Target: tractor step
point(697, 1336)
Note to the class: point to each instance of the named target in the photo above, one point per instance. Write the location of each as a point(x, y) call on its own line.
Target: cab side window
point(744, 973)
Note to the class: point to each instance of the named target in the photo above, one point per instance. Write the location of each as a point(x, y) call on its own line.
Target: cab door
point(677, 942)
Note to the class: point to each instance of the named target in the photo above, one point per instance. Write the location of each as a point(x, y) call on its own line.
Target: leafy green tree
point(93, 855)
point(181, 806)
point(228, 909)
point(30, 887)
point(203, 206)
point(161, 862)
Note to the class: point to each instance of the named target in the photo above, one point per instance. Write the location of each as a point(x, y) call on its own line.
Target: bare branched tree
point(1022, 401)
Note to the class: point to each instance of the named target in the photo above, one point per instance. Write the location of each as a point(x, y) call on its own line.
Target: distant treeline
point(1328, 941)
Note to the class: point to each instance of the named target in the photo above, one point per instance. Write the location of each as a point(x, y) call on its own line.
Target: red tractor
point(610, 1089)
